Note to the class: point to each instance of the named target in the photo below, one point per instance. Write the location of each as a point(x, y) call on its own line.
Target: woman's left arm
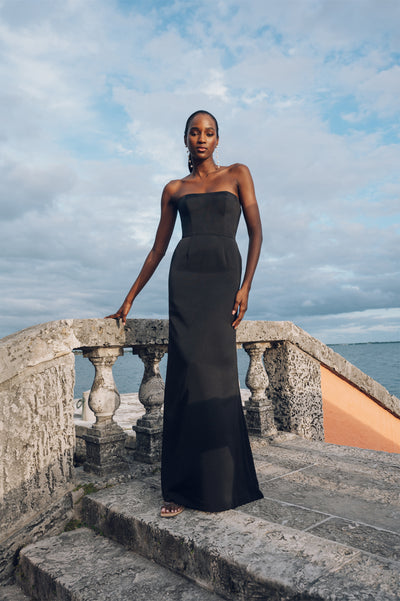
point(253, 222)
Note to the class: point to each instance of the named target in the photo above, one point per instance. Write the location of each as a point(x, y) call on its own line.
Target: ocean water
point(380, 360)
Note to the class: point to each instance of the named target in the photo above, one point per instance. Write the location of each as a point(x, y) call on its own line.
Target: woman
point(206, 457)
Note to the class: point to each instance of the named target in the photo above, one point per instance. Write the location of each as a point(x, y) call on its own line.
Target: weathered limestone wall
point(36, 446)
point(295, 390)
point(37, 435)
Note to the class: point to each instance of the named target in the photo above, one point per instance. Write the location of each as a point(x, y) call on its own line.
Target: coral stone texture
point(37, 436)
point(37, 446)
point(295, 389)
point(36, 452)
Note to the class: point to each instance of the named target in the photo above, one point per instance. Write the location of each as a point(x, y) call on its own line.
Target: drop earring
point(190, 163)
point(217, 158)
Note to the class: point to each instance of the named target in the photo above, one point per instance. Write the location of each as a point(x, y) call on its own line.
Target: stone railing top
point(38, 344)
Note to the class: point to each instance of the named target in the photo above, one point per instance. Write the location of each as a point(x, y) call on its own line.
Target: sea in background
point(380, 360)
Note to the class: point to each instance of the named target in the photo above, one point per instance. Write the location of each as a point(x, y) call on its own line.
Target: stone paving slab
point(355, 484)
point(269, 470)
point(282, 513)
point(351, 507)
point(368, 486)
point(242, 556)
point(349, 532)
point(301, 449)
point(367, 538)
point(83, 566)
point(376, 484)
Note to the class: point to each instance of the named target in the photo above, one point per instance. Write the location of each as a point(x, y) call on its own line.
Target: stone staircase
point(327, 529)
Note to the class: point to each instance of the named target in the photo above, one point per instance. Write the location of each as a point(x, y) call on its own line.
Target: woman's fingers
point(119, 315)
point(238, 300)
point(240, 308)
point(238, 319)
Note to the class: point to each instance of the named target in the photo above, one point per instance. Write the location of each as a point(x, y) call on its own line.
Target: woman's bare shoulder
point(236, 171)
point(239, 169)
point(172, 189)
point(240, 173)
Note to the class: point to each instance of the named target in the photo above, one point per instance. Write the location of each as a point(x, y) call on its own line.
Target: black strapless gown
point(206, 457)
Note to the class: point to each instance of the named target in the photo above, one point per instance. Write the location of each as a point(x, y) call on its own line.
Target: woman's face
point(201, 138)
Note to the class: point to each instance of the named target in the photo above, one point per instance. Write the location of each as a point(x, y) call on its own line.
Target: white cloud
point(358, 326)
point(94, 98)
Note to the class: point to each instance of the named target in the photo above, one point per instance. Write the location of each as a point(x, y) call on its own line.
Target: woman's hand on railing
point(122, 312)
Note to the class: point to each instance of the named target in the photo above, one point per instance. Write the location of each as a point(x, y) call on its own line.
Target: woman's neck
point(204, 169)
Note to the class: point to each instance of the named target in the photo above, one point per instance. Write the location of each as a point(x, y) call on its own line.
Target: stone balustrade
point(148, 339)
point(283, 377)
point(36, 405)
point(104, 401)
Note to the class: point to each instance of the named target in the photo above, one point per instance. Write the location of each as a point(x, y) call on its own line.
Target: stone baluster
point(151, 394)
point(295, 390)
point(105, 441)
point(259, 408)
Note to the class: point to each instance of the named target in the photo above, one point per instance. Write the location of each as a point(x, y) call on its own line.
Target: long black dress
point(206, 457)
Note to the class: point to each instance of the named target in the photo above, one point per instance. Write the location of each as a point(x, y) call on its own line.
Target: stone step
point(348, 495)
point(12, 593)
point(84, 566)
point(240, 556)
point(373, 472)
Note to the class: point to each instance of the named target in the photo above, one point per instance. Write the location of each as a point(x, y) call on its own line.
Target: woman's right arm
point(163, 236)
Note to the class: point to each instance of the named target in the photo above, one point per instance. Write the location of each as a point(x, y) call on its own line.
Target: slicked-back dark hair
point(200, 112)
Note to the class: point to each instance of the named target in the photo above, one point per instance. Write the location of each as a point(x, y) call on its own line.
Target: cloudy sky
point(94, 97)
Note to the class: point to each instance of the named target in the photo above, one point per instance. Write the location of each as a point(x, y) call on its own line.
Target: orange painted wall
point(352, 418)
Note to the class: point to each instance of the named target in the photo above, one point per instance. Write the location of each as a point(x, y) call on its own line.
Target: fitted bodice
point(209, 213)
